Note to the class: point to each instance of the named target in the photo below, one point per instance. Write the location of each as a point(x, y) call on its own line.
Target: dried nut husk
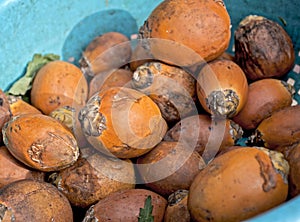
point(57, 84)
point(34, 201)
point(40, 142)
point(238, 185)
point(196, 130)
point(125, 206)
point(177, 209)
point(281, 129)
point(5, 113)
point(108, 51)
point(265, 96)
point(93, 177)
point(222, 88)
point(108, 79)
point(293, 159)
point(263, 48)
point(19, 107)
point(169, 166)
point(122, 122)
point(185, 23)
point(13, 170)
point(67, 115)
point(172, 88)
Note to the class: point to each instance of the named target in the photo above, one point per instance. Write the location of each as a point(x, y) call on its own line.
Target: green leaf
point(146, 212)
point(24, 84)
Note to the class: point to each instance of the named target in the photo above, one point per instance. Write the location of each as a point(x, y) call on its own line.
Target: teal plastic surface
point(65, 27)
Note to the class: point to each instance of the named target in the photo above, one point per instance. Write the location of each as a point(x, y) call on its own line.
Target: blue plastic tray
point(65, 27)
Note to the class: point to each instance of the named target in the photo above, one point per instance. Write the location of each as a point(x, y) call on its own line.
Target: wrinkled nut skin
point(265, 97)
point(13, 170)
point(108, 51)
point(35, 201)
point(203, 26)
point(93, 177)
point(293, 158)
point(196, 130)
point(122, 122)
point(172, 88)
point(40, 142)
point(222, 88)
point(282, 128)
point(263, 48)
point(177, 209)
point(108, 79)
point(67, 115)
point(184, 171)
point(5, 113)
point(19, 107)
point(125, 206)
point(238, 185)
point(57, 84)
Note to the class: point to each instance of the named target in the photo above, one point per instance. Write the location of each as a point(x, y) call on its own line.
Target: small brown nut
point(40, 142)
point(168, 167)
point(177, 209)
point(125, 206)
point(239, 184)
point(281, 129)
point(203, 26)
point(172, 88)
point(196, 131)
point(122, 122)
point(93, 177)
point(293, 158)
point(57, 84)
point(222, 88)
point(106, 52)
point(18, 106)
point(34, 201)
point(265, 97)
point(263, 48)
point(108, 79)
point(13, 170)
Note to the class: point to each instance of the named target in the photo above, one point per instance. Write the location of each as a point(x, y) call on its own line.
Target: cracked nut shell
point(239, 184)
point(40, 142)
point(122, 122)
point(222, 88)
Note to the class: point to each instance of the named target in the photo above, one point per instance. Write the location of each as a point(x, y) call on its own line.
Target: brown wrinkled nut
point(5, 113)
point(34, 201)
point(195, 130)
point(263, 48)
point(13, 170)
point(281, 129)
point(93, 177)
point(67, 115)
point(177, 210)
point(265, 97)
point(108, 79)
point(125, 206)
point(19, 107)
point(222, 88)
point(185, 23)
point(239, 184)
point(57, 84)
point(180, 163)
point(40, 142)
point(108, 51)
point(122, 122)
point(172, 88)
